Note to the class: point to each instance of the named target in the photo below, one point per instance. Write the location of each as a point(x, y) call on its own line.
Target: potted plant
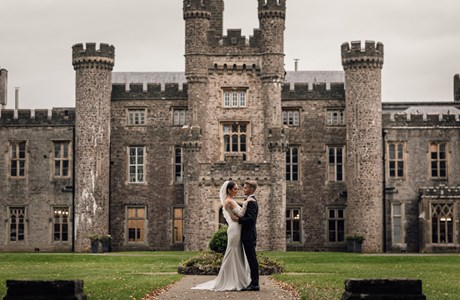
point(354, 243)
point(94, 238)
point(105, 242)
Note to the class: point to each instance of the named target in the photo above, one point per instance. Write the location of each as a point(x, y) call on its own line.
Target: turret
point(3, 87)
point(217, 17)
point(363, 115)
point(93, 82)
point(457, 87)
point(272, 14)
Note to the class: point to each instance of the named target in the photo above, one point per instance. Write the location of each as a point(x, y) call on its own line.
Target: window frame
point(332, 168)
point(61, 159)
point(179, 116)
point(438, 160)
point(141, 231)
point(340, 117)
point(178, 165)
point(132, 113)
point(16, 161)
point(235, 97)
point(401, 224)
point(336, 221)
point(17, 227)
point(65, 212)
point(396, 159)
point(295, 117)
point(453, 224)
point(292, 219)
point(240, 142)
point(136, 165)
point(292, 176)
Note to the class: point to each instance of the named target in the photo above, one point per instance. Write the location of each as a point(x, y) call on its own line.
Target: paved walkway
point(269, 290)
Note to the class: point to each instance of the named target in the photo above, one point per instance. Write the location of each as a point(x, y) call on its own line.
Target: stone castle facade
point(142, 156)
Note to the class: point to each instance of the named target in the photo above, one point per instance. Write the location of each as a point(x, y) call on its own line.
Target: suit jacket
point(248, 222)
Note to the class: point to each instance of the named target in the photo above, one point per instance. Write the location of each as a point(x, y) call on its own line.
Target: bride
point(234, 272)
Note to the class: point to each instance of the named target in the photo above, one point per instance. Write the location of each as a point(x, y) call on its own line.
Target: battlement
point(239, 68)
point(165, 91)
point(272, 9)
point(37, 117)
point(313, 91)
point(371, 56)
point(235, 39)
point(197, 9)
point(391, 120)
point(91, 57)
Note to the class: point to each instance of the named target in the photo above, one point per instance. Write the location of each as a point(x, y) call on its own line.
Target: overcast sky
point(421, 38)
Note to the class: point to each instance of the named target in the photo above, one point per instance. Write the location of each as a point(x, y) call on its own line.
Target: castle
point(142, 156)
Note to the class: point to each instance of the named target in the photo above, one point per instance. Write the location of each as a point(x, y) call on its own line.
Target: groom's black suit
point(249, 238)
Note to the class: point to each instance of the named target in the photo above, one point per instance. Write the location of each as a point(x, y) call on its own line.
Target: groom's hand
point(234, 218)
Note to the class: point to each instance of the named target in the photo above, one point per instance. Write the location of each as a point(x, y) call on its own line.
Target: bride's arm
point(236, 210)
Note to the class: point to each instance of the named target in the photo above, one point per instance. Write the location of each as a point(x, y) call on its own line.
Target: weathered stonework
point(92, 140)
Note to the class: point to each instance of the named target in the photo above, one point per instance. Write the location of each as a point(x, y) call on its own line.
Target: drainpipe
point(384, 198)
point(73, 188)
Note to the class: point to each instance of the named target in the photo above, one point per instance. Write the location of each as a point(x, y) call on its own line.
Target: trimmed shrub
point(218, 242)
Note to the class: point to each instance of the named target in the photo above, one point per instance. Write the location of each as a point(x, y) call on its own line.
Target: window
point(18, 159)
point(136, 164)
point(396, 160)
point(235, 137)
point(17, 223)
point(293, 225)
point(136, 224)
point(291, 117)
point(234, 99)
point(178, 225)
point(442, 215)
point(62, 158)
point(335, 164)
point(396, 223)
point(179, 116)
point(336, 224)
point(178, 166)
point(136, 117)
point(61, 224)
point(438, 160)
point(335, 118)
point(292, 164)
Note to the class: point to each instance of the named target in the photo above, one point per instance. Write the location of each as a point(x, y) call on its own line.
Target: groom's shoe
point(251, 287)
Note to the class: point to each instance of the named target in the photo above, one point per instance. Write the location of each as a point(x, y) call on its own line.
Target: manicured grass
point(315, 275)
point(112, 276)
point(322, 275)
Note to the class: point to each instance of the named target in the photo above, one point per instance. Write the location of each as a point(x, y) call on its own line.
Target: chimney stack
point(457, 87)
point(3, 87)
point(16, 98)
point(296, 64)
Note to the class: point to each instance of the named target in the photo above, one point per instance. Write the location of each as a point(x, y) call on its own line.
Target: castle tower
point(93, 82)
point(457, 87)
point(3, 87)
point(272, 15)
point(363, 115)
point(217, 17)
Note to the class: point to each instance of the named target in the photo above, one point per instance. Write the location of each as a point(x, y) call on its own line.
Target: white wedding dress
point(234, 272)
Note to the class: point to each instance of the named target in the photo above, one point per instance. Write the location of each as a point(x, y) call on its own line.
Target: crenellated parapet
point(235, 68)
point(440, 191)
point(313, 91)
point(411, 120)
point(37, 117)
point(272, 9)
point(356, 57)
point(167, 91)
point(92, 57)
point(197, 9)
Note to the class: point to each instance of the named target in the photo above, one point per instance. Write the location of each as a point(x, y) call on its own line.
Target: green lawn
point(315, 275)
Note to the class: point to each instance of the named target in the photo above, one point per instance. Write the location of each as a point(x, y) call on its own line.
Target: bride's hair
point(230, 185)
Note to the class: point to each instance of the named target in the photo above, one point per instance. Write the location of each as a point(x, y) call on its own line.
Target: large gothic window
point(17, 224)
point(18, 159)
point(235, 138)
point(136, 164)
point(336, 168)
point(442, 216)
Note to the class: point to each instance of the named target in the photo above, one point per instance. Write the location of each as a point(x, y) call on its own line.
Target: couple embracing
point(239, 269)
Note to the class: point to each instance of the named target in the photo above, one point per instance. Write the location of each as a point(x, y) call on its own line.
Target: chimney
point(457, 87)
point(16, 98)
point(296, 64)
point(3, 87)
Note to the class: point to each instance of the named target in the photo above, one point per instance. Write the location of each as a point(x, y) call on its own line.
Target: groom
point(249, 234)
